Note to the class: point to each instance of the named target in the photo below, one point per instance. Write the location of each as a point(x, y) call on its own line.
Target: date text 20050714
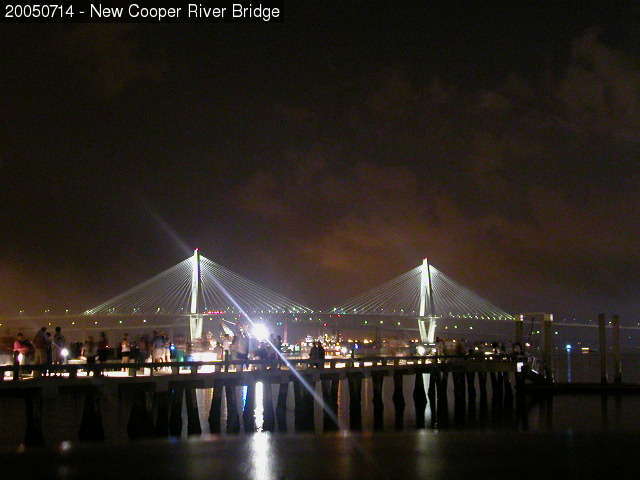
point(35, 11)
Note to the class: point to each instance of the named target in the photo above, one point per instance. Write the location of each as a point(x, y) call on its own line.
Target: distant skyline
point(327, 154)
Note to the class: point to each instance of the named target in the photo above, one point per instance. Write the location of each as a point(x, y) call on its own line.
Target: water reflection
point(259, 410)
point(261, 456)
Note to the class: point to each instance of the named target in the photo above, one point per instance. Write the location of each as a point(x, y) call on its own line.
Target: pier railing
point(134, 369)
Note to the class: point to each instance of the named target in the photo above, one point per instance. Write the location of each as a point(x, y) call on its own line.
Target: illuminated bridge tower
point(195, 319)
point(426, 322)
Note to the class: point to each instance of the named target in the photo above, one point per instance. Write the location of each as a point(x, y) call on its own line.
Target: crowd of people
point(44, 349)
point(48, 348)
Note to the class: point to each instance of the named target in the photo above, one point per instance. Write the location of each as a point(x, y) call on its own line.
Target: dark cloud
point(109, 57)
point(501, 188)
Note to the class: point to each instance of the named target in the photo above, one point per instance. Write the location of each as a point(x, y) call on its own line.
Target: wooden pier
point(151, 398)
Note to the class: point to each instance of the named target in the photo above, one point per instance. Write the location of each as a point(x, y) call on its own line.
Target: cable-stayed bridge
point(198, 288)
point(424, 292)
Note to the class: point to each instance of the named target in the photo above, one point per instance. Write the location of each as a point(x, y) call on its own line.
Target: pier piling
point(355, 400)
point(419, 400)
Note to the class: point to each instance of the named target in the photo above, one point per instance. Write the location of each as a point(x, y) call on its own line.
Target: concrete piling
point(419, 400)
point(33, 410)
point(216, 407)
point(175, 410)
point(330, 387)
point(281, 407)
point(398, 399)
point(161, 407)
point(442, 400)
point(471, 392)
point(431, 396)
point(140, 424)
point(193, 416)
point(377, 380)
point(248, 412)
point(91, 428)
point(233, 418)
point(269, 421)
point(355, 400)
point(459, 396)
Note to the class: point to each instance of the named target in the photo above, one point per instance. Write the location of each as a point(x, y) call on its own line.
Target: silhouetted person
point(321, 355)
point(21, 349)
point(103, 346)
point(125, 348)
point(59, 344)
point(89, 350)
point(40, 346)
point(313, 354)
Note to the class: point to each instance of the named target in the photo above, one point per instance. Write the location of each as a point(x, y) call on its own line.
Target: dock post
point(33, 408)
point(377, 379)
point(193, 417)
point(419, 399)
point(91, 428)
point(175, 411)
point(269, 421)
point(161, 400)
point(355, 400)
point(330, 398)
point(431, 395)
point(496, 390)
point(508, 392)
point(281, 406)
point(615, 321)
point(248, 412)
point(443, 404)
point(233, 419)
point(547, 324)
point(216, 404)
point(471, 392)
point(484, 402)
point(602, 337)
point(398, 399)
point(459, 396)
point(140, 423)
point(304, 405)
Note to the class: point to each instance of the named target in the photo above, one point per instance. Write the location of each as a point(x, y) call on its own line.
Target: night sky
point(327, 154)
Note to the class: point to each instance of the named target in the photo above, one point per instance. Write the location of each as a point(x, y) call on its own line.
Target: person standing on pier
point(89, 350)
point(21, 348)
point(40, 345)
point(103, 347)
point(125, 348)
point(58, 346)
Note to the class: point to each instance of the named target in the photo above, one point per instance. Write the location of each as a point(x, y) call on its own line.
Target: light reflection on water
point(261, 457)
point(259, 411)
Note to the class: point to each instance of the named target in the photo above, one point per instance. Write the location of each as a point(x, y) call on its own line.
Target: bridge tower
point(427, 321)
point(195, 317)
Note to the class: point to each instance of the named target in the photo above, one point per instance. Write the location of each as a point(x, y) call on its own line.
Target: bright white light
point(421, 350)
point(64, 352)
point(344, 350)
point(20, 358)
point(260, 331)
